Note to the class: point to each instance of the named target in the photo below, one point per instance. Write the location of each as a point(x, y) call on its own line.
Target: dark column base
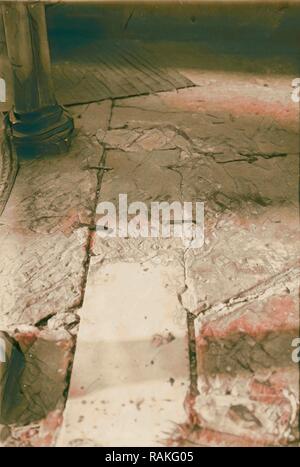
point(43, 132)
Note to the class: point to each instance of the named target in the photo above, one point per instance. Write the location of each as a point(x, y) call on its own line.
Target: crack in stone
point(192, 348)
point(101, 169)
point(249, 158)
point(100, 174)
point(260, 291)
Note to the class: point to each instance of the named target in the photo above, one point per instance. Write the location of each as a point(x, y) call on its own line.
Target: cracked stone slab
point(248, 382)
point(240, 252)
point(234, 148)
point(44, 229)
point(125, 389)
point(257, 335)
point(40, 275)
point(36, 434)
point(246, 411)
point(144, 177)
point(227, 119)
point(237, 157)
point(246, 242)
point(225, 184)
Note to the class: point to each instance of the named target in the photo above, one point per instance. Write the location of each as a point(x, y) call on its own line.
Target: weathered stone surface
point(40, 275)
point(257, 335)
point(143, 176)
point(44, 246)
point(228, 163)
point(248, 410)
point(41, 433)
point(44, 230)
point(247, 380)
point(235, 149)
point(125, 389)
point(92, 118)
point(234, 120)
point(240, 252)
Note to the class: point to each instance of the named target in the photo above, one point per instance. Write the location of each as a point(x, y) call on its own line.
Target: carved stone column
point(37, 123)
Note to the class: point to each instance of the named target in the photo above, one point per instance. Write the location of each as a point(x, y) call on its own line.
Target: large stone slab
point(248, 375)
point(130, 373)
point(231, 142)
point(44, 229)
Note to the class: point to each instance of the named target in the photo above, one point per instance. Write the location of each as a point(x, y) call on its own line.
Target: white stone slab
point(130, 374)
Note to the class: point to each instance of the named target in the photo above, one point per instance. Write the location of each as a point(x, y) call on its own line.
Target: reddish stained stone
point(53, 420)
point(189, 406)
point(46, 435)
point(243, 105)
point(264, 392)
point(279, 314)
point(28, 435)
point(46, 441)
point(69, 223)
point(205, 437)
point(26, 339)
point(76, 392)
point(236, 106)
point(271, 391)
point(209, 437)
point(92, 240)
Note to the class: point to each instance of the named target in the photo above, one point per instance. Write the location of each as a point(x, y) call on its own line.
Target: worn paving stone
point(248, 381)
point(125, 388)
point(234, 148)
point(227, 148)
point(248, 410)
point(260, 409)
point(127, 175)
point(44, 228)
point(234, 119)
point(240, 252)
point(258, 334)
point(143, 176)
point(41, 433)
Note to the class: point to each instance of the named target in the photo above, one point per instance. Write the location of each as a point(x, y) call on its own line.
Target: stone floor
point(176, 346)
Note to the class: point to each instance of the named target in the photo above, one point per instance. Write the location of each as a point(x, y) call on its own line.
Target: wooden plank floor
point(112, 69)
